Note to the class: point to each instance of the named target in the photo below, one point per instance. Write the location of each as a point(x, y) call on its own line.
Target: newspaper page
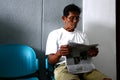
point(78, 61)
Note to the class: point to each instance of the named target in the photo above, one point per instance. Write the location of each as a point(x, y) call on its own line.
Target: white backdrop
point(99, 24)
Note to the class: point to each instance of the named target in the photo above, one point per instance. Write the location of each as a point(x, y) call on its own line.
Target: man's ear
point(63, 18)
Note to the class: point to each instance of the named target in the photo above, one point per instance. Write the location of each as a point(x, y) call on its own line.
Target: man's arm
point(54, 58)
point(63, 51)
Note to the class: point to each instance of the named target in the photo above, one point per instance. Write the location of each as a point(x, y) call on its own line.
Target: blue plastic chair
point(18, 61)
point(49, 69)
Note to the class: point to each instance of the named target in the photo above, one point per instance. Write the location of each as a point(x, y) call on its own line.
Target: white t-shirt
point(59, 37)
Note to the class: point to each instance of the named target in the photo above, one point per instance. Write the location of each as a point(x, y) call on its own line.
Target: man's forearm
point(54, 58)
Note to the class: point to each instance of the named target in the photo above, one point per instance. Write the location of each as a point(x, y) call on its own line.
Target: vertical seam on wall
point(83, 15)
point(42, 26)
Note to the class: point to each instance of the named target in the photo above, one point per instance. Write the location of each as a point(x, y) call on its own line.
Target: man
point(57, 46)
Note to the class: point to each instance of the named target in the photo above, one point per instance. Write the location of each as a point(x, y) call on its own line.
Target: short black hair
point(71, 8)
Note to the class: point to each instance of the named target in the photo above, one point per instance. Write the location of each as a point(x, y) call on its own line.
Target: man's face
point(71, 21)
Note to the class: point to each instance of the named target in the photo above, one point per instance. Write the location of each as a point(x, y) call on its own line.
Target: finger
point(64, 52)
point(64, 46)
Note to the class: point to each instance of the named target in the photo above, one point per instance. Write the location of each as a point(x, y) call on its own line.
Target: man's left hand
point(93, 52)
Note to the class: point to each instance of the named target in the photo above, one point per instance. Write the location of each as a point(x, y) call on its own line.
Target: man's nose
point(75, 20)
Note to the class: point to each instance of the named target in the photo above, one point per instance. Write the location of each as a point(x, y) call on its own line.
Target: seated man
point(57, 46)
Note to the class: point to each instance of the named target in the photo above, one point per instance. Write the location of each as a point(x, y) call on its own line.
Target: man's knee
point(94, 75)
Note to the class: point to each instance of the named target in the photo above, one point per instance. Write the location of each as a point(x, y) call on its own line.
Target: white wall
point(99, 24)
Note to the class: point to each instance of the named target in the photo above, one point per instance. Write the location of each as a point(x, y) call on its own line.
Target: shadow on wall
point(10, 32)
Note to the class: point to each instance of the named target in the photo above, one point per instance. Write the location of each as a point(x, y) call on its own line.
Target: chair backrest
point(49, 69)
point(17, 60)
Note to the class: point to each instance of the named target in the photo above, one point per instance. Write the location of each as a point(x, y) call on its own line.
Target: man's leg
point(95, 75)
point(61, 73)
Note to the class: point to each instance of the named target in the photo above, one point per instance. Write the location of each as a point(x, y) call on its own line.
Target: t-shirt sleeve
point(51, 45)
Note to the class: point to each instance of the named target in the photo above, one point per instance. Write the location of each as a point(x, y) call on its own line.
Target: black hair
point(71, 8)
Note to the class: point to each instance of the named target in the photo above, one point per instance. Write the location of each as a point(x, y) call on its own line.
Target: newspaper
point(78, 61)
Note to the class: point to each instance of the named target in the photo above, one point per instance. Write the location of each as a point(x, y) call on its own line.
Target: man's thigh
point(61, 73)
point(94, 75)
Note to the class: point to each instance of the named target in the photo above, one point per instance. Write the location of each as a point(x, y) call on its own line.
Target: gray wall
point(29, 22)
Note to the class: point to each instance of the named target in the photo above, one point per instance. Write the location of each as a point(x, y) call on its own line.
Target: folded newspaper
point(78, 61)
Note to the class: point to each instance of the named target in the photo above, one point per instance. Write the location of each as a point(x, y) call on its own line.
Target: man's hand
point(54, 57)
point(64, 50)
point(93, 52)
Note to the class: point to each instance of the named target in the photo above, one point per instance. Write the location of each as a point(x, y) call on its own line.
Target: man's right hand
point(64, 50)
